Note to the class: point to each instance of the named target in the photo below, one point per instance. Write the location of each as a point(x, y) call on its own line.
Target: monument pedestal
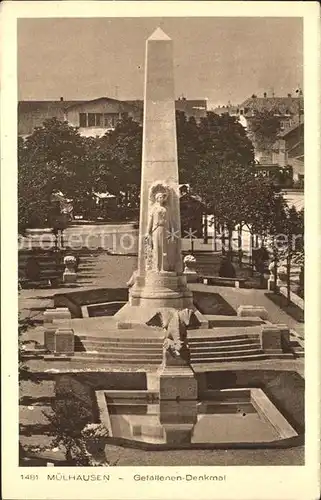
point(153, 293)
point(161, 289)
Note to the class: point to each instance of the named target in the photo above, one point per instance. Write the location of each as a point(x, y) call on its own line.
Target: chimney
point(61, 99)
point(289, 95)
point(265, 94)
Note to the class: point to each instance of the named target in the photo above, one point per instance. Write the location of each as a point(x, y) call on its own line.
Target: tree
point(50, 159)
point(187, 146)
point(70, 424)
point(275, 231)
point(78, 165)
point(123, 147)
point(263, 129)
point(222, 166)
point(293, 243)
point(262, 206)
point(33, 199)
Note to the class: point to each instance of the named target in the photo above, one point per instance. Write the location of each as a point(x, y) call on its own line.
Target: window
point(114, 120)
point(106, 120)
point(82, 120)
point(91, 120)
point(99, 120)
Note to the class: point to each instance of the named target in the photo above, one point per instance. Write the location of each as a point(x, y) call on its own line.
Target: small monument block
point(64, 341)
point(273, 338)
point(59, 313)
point(252, 311)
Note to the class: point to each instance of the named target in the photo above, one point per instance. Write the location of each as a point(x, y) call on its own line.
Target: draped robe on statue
point(160, 230)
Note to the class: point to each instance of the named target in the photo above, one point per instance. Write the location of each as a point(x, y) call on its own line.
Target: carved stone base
point(69, 277)
point(154, 291)
point(163, 289)
point(130, 316)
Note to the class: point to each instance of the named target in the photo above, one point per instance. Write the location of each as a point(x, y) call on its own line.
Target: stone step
point(224, 344)
point(119, 343)
point(212, 359)
point(120, 340)
point(121, 356)
point(224, 340)
point(215, 348)
point(120, 349)
point(219, 354)
point(218, 345)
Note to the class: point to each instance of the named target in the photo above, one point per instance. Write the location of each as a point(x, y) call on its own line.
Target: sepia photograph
point(160, 215)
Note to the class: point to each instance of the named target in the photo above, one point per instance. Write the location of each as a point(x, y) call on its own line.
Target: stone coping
point(106, 327)
point(65, 366)
point(271, 414)
point(293, 297)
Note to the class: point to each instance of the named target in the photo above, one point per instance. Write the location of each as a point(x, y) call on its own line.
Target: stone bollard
point(190, 269)
point(271, 279)
point(275, 338)
point(252, 311)
point(70, 275)
point(64, 341)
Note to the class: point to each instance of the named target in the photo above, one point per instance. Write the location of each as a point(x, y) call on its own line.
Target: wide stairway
point(140, 351)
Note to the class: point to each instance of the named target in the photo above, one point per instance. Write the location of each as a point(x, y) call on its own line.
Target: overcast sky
point(219, 58)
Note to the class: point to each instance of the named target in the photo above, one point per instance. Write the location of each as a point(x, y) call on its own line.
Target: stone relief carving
point(175, 324)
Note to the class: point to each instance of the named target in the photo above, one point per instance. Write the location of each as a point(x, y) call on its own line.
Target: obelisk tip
point(159, 35)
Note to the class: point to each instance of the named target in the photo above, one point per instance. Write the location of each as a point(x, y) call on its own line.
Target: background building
point(94, 117)
point(289, 109)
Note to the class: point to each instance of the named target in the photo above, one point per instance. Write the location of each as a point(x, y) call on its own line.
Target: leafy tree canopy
point(263, 129)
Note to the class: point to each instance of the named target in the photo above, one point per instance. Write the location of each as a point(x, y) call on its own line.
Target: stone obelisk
point(159, 281)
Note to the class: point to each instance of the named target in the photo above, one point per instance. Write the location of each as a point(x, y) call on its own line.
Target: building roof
point(283, 105)
point(189, 106)
point(131, 104)
point(51, 106)
point(289, 130)
point(192, 107)
point(220, 110)
point(30, 106)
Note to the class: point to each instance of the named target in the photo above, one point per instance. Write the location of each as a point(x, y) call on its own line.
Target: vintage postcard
point(160, 250)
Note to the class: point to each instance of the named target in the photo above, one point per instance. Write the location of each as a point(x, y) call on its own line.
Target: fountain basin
point(243, 417)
